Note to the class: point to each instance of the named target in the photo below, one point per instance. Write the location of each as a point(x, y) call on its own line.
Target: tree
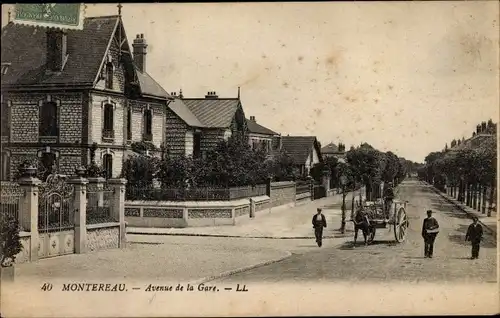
point(10, 241)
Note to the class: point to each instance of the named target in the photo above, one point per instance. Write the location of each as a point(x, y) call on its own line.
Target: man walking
point(319, 222)
point(430, 229)
point(474, 235)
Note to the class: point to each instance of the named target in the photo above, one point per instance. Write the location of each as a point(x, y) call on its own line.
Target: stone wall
point(24, 255)
point(102, 236)
point(282, 193)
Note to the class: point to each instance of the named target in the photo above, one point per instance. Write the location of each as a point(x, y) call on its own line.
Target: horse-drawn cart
point(395, 218)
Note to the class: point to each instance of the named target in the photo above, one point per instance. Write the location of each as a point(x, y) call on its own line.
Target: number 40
point(46, 287)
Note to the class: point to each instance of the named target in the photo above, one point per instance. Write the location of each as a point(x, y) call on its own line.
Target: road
point(386, 261)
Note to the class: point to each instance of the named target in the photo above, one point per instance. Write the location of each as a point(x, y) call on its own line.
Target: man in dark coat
point(319, 222)
point(388, 198)
point(430, 229)
point(474, 235)
point(361, 222)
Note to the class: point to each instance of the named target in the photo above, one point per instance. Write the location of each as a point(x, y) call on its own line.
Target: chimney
point(173, 94)
point(139, 47)
point(211, 95)
point(56, 49)
point(252, 118)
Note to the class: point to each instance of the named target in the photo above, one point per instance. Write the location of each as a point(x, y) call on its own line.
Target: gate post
point(28, 208)
point(80, 207)
point(118, 207)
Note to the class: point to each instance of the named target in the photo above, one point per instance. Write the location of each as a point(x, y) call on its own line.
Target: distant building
point(197, 125)
point(332, 150)
point(259, 136)
point(305, 151)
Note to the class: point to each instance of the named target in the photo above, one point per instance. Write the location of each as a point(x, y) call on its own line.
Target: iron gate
point(55, 217)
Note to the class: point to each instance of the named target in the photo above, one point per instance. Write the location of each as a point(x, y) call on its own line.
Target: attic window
point(5, 68)
point(109, 75)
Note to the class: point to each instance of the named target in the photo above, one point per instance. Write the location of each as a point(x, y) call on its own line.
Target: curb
point(235, 236)
point(462, 209)
point(240, 270)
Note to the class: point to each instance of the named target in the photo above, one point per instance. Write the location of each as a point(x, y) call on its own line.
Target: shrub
point(10, 244)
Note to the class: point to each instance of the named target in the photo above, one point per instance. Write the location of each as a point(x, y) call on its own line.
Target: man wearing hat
point(474, 235)
point(388, 198)
point(430, 230)
point(319, 222)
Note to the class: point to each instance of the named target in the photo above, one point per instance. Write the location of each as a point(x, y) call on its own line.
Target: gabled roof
point(25, 48)
point(149, 86)
point(184, 113)
point(299, 147)
point(330, 148)
point(213, 112)
point(255, 128)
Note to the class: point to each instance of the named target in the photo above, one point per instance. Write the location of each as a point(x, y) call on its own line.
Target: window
point(197, 145)
point(48, 119)
point(48, 164)
point(129, 124)
point(148, 125)
point(5, 119)
point(5, 173)
point(108, 126)
point(109, 75)
point(108, 165)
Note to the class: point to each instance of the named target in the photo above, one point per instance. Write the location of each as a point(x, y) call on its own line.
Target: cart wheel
point(400, 226)
point(371, 235)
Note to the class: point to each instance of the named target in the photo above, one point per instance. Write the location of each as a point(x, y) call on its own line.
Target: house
point(260, 137)
point(305, 151)
point(64, 91)
point(332, 150)
point(197, 125)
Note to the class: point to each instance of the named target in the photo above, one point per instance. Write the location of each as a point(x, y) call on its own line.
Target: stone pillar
point(97, 185)
point(118, 207)
point(252, 208)
point(28, 208)
point(326, 182)
point(80, 207)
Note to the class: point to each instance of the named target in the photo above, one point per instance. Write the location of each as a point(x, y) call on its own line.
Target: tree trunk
point(342, 225)
point(461, 191)
point(467, 194)
point(479, 186)
point(483, 205)
point(353, 199)
point(492, 198)
point(474, 196)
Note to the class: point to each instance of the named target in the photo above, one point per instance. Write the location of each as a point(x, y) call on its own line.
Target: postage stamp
point(58, 15)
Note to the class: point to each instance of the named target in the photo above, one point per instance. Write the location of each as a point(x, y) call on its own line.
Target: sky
point(406, 77)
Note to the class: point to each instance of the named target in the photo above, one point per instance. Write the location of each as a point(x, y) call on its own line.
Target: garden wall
point(103, 236)
point(282, 193)
point(165, 214)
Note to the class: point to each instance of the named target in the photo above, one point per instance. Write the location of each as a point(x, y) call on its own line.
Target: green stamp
point(64, 16)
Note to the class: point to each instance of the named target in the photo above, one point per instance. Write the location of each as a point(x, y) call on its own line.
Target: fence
point(10, 195)
point(303, 187)
point(194, 194)
point(99, 196)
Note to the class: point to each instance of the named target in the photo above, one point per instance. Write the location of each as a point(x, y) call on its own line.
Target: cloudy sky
point(406, 77)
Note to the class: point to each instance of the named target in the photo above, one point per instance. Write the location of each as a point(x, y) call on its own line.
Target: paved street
point(387, 261)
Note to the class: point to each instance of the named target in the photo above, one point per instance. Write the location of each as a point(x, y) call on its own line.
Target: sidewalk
point(183, 261)
point(488, 222)
point(281, 223)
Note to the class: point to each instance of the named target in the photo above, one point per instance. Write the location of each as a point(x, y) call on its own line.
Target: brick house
point(305, 151)
point(63, 91)
point(196, 125)
point(260, 136)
